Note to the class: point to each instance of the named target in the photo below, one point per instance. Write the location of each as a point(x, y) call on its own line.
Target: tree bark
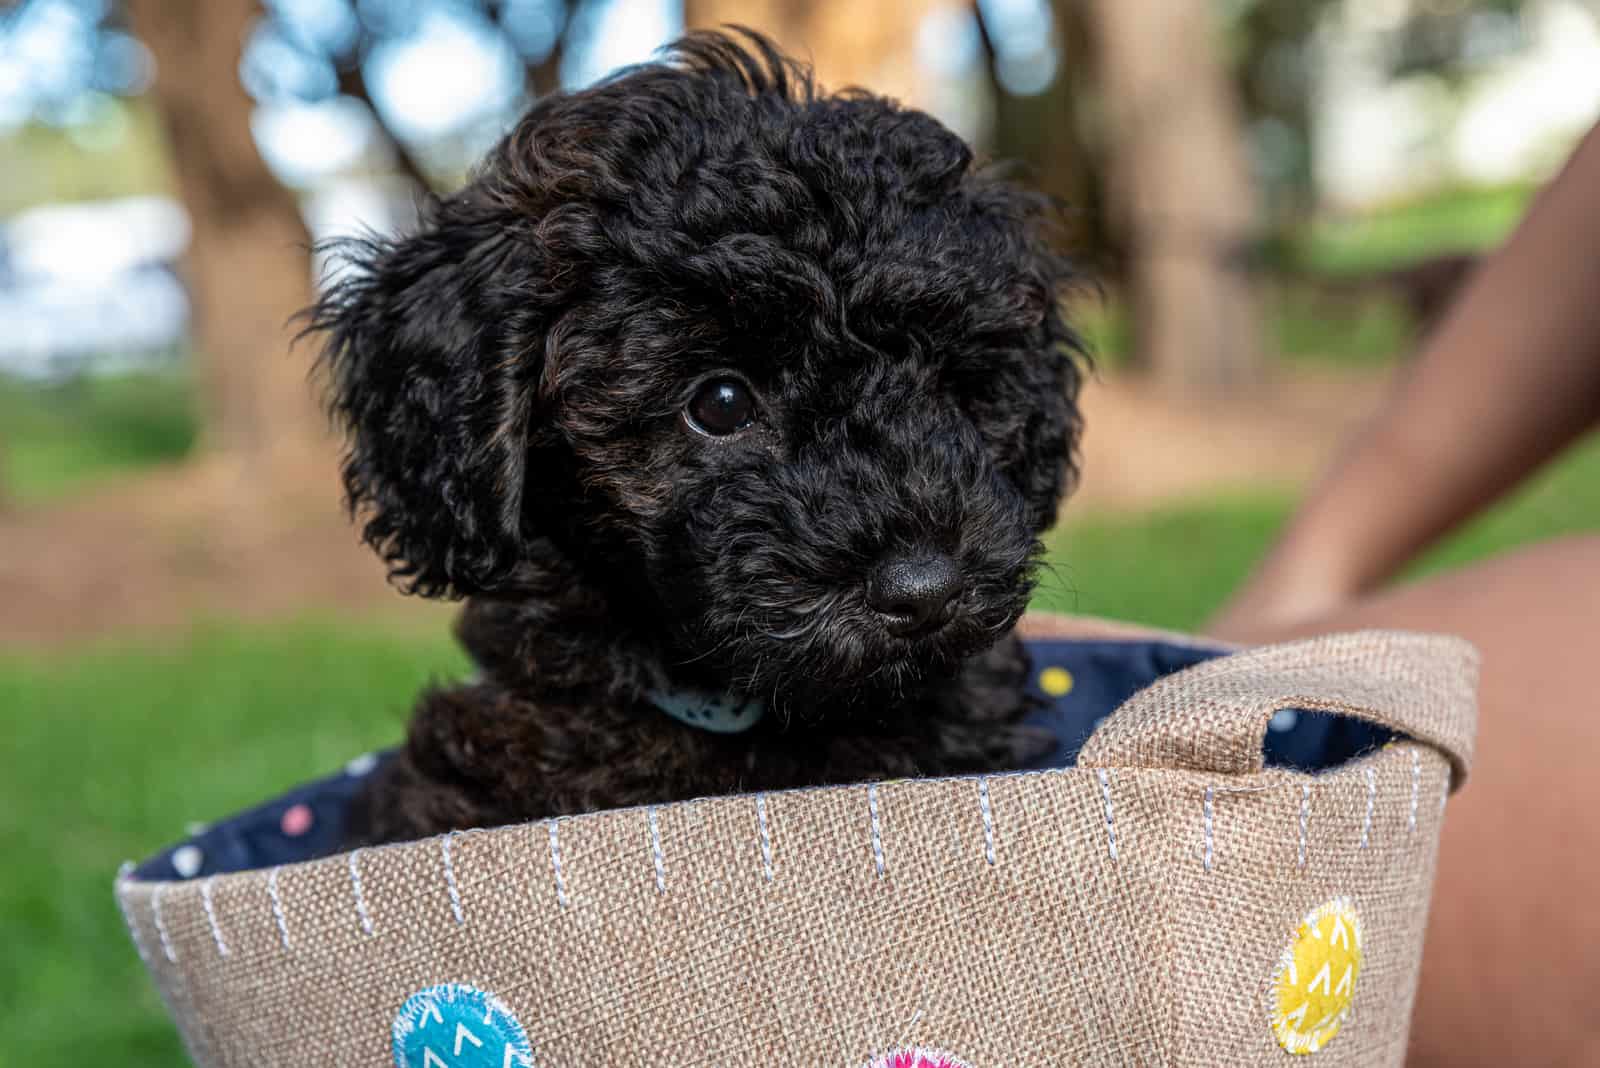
point(544, 77)
point(1182, 187)
point(248, 264)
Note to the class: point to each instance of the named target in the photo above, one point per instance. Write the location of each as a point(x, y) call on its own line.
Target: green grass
point(1302, 325)
point(107, 753)
point(1565, 499)
point(59, 438)
point(1174, 566)
point(1451, 220)
point(1366, 331)
point(1169, 568)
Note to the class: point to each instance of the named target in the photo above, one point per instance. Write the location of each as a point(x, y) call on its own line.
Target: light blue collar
point(719, 713)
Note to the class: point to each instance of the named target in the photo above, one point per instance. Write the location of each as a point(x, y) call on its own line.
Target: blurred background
point(1276, 198)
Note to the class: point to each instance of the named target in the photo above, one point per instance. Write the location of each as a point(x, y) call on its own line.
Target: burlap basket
point(1167, 899)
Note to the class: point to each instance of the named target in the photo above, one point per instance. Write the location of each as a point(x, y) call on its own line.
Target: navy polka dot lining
point(1099, 675)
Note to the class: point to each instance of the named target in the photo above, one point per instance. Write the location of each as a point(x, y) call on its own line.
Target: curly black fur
point(513, 379)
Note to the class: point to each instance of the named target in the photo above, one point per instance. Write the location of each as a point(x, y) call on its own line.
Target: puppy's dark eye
point(721, 407)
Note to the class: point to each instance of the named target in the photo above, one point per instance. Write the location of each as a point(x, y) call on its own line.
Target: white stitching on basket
point(657, 859)
point(161, 925)
point(450, 877)
point(1305, 819)
point(1111, 827)
point(877, 830)
point(1416, 786)
point(988, 818)
point(1372, 794)
point(361, 899)
point(123, 873)
point(211, 916)
point(555, 863)
point(1208, 819)
point(763, 837)
point(277, 908)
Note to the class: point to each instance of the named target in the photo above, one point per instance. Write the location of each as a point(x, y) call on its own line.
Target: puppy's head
point(782, 374)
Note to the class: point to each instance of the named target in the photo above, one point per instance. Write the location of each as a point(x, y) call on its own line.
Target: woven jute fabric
point(1130, 910)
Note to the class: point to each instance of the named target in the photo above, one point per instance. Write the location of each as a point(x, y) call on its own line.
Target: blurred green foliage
point(1324, 292)
point(121, 152)
point(60, 437)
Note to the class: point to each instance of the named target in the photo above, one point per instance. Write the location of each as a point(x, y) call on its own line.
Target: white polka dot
point(1284, 720)
point(186, 860)
point(362, 764)
point(196, 829)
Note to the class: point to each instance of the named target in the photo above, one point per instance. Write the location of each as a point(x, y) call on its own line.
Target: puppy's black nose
point(915, 593)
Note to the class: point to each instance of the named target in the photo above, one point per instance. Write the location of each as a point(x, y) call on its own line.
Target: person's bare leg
point(1511, 974)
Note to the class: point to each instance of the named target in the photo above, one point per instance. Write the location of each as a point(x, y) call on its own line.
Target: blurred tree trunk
point(1180, 182)
point(869, 44)
point(544, 77)
point(1053, 133)
point(248, 265)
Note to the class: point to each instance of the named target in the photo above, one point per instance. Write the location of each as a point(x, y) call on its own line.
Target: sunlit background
point(1350, 109)
point(187, 624)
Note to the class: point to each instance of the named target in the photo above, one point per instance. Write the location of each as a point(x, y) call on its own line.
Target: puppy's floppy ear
point(432, 368)
point(1029, 396)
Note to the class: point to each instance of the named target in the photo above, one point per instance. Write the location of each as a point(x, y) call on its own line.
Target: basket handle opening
point(1213, 717)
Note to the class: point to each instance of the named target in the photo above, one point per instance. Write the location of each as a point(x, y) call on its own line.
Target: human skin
point(1511, 377)
point(1513, 946)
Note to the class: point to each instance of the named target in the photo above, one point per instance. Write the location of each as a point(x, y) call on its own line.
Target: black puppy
point(736, 410)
